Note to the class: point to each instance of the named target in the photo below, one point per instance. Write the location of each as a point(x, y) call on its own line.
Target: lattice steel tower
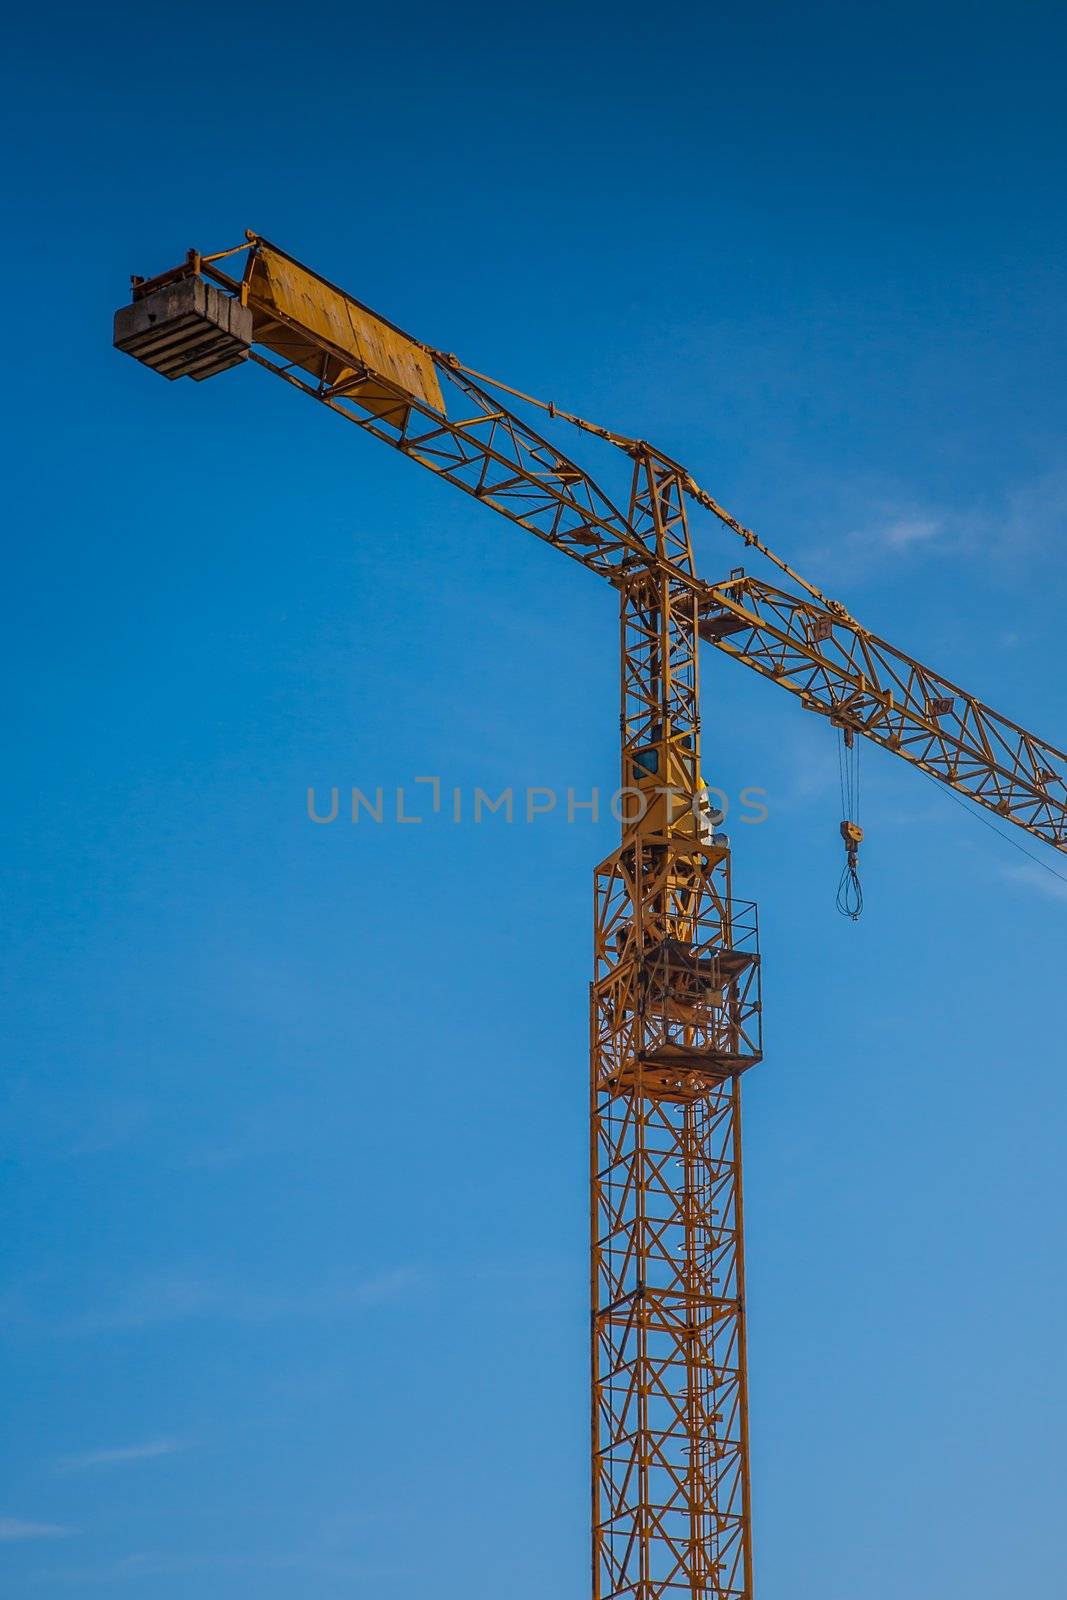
point(675, 1018)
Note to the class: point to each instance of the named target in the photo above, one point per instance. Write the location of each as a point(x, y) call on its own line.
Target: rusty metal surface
point(311, 314)
point(676, 1019)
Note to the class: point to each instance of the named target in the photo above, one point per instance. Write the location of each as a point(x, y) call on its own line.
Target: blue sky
point(294, 1124)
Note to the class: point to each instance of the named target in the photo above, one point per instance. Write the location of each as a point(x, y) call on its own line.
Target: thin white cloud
point(874, 525)
point(884, 532)
point(121, 1455)
point(175, 1297)
point(387, 1286)
point(161, 1298)
point(904, 532)
point(14, 1529)
point(1035, 877)
point(891, 531)
point(143, 1564)
point(1035, 514)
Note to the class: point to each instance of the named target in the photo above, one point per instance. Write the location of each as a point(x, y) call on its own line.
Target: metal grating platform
point(189, 329)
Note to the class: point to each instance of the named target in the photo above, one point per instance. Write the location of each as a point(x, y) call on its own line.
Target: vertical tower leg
point(671, 1031)
point(675, 1020)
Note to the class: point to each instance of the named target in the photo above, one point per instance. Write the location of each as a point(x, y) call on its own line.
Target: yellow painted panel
point(347, 327)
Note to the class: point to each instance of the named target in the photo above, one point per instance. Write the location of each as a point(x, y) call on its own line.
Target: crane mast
point(674, 1021)
point(675, 1006)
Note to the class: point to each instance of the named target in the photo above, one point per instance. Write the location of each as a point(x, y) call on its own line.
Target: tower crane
point(675, 1007)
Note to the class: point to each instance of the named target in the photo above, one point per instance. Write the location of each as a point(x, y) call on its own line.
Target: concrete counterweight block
point(188, 329)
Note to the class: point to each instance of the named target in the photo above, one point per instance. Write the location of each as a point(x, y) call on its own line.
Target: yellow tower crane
point(675, 998)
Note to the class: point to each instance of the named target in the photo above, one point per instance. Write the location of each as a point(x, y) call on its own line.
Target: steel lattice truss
point(799, 639)
point(842, 670)
point(675, 1018)
point(676, 1014)
point(669, 1389)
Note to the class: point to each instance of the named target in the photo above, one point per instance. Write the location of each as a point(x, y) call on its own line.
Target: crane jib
point(196, 320)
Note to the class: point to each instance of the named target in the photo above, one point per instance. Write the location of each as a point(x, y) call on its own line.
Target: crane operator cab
point(678, 803)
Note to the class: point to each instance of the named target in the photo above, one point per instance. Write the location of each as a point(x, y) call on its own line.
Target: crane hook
point(849, 891)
